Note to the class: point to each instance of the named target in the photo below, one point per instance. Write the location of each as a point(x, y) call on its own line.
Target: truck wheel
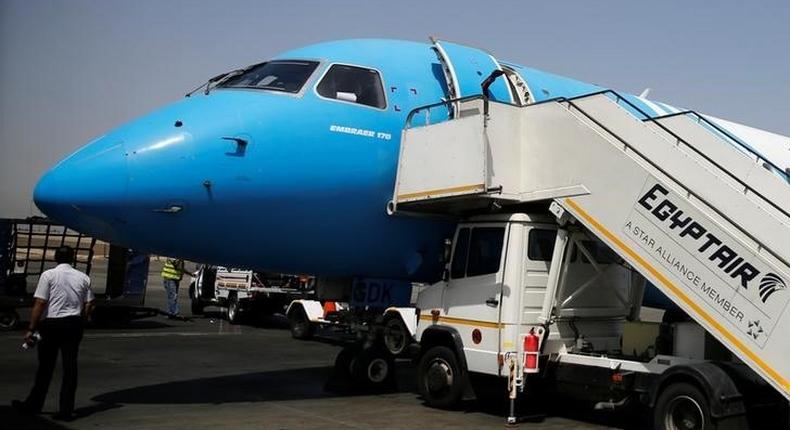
point(301, 328)
point(396, 335)
point(440, 378)
point(234, 308)
point(373, 368)
point(8, 319)
point(682, 406)
point(196, 304)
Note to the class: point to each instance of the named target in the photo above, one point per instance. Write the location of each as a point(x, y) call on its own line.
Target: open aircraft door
point(466, 68)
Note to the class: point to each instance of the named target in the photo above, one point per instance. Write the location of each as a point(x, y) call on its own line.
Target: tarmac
point(204, 373)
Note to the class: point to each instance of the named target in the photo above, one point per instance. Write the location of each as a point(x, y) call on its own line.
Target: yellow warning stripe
point(679, 293)
point(461, 321)
point(476, 187)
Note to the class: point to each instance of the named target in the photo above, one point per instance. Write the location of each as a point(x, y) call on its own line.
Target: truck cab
point(498, 287)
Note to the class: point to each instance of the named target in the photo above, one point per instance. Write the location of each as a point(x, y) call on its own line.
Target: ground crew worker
point(64, 299)
point(172, 272)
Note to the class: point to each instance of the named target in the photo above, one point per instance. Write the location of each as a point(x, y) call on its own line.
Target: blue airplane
point(288, 165)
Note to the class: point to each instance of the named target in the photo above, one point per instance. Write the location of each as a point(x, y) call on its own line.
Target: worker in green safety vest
point(172, 272)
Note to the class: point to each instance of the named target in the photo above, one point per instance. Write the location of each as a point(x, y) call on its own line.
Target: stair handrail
point(760, 157)
point(570, 101)
point(680, 140)
point(780, 258)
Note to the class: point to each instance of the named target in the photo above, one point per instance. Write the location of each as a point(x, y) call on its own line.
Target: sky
point(72, 70)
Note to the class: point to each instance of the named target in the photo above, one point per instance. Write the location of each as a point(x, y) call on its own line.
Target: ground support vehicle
point(245, 292)
point(27, 249)
point(619, 198)
point(680, 202)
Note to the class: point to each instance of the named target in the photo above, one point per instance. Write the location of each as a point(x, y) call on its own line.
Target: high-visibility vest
point(173, 269)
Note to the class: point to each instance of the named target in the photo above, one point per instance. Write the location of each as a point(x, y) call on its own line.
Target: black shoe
point(67, 417)
point(23, 407)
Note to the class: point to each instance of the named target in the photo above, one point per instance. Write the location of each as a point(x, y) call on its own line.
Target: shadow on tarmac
point(144, 324)
point(273, 321)
point(11, 419)
point(293, 384)
point(323, 382)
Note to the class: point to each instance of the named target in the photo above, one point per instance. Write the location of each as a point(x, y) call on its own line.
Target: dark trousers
point(64, 335)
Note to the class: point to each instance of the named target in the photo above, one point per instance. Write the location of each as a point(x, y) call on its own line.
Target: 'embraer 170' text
point(360, 132)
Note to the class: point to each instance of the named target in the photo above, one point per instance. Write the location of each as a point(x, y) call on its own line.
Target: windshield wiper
point(215, 79)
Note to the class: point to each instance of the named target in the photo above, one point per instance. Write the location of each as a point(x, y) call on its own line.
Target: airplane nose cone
point(87, 190)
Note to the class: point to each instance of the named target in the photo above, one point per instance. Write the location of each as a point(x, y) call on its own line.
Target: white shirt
point(65, 290)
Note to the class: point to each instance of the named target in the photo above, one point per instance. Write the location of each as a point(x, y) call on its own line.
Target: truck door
point(465, 68)
point(208, 281)
point(471, 302)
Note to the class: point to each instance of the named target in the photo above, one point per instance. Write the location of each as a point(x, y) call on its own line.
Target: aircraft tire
point(373, 368)
point(344, 362)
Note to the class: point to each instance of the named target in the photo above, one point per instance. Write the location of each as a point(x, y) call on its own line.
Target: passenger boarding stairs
point(687, 205)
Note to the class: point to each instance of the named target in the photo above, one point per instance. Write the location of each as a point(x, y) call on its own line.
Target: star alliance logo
point(770, 284)
point(755, 329)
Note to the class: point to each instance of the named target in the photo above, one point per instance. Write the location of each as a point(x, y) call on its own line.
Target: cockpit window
point(281, 75)
point(353, 84)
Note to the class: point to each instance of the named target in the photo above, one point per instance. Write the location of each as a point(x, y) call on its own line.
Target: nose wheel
point(372, 368)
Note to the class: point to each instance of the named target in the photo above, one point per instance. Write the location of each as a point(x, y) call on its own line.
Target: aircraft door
point(472, 298)
point(466, 68)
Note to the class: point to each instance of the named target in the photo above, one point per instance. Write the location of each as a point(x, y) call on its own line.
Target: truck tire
point(9, 319)
point(233, 308)
point(196, 305)
point(682, 406)
point(440, 378)
point(396, 336)
point(300, 325)
point(373, 368)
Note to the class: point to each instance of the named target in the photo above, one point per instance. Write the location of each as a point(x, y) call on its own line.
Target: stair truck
point(679, 201)
point(567, 209)
point(586, 199)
